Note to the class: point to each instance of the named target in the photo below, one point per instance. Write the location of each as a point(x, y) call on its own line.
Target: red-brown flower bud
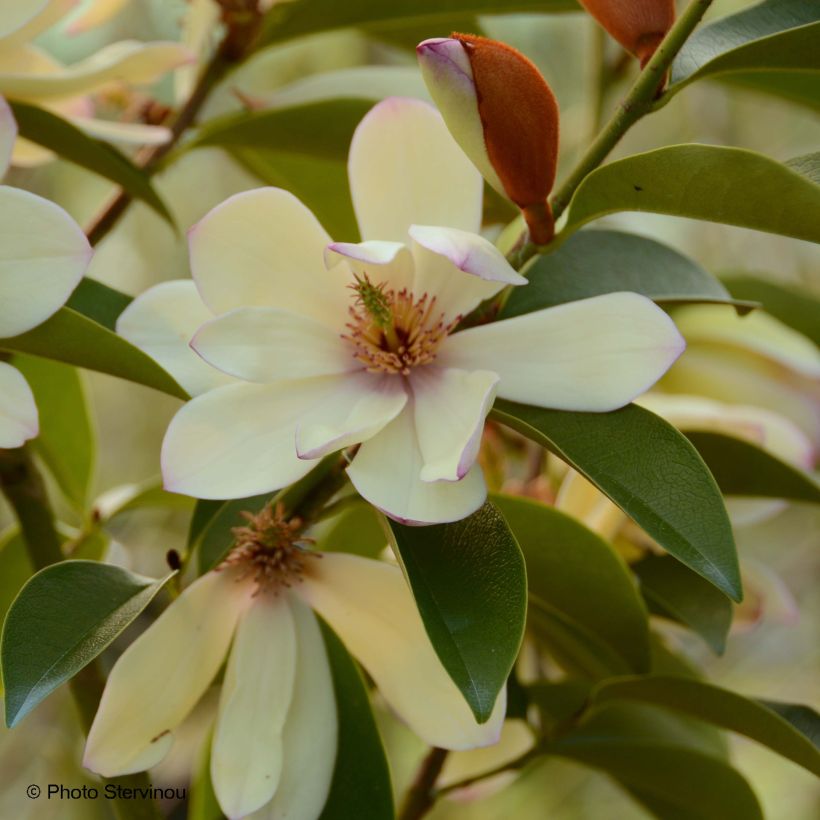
point(638, 25)
point(503, 114)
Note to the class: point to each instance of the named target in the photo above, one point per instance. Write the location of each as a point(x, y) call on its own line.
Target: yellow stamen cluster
point(270, 548)
point(393, 332)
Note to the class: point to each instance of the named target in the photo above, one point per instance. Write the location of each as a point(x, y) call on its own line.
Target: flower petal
point(43, 255)
point(265, 248)
point(125, 133)
point(592, 355)
point(18, 412)
point(8, 134)
point(444, 255)
point(260, 344)
point(160, 677)
point(161, 322)
point(361, 407)
point(450, 407)
point(387, 472)
point(311, 731)
point(20, 22)
point(127, 61)
point(94, 14)
point(239, 440)
point(388, 262)
point(370, 606)
point(246, 755)
point(406, 169)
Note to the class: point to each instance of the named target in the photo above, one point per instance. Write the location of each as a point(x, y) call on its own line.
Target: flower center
point(270, 549)
point(393, 331)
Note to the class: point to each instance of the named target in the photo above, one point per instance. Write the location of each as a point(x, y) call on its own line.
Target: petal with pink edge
point(371, 608)
point(406, 169)
point(388, 262)
point(592, 355)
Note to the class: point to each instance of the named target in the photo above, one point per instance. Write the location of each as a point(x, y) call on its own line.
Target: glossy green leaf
point(67, 141)
point(210, 533)
point(357, 530)
point(667, 765)
point(361, 778)
point(72, 338)
point(719, 707)
point(792, 305)
point(596, 261)
point(803, 718)
point(66, 442)
point(709, 182)
point(775, 35)
point(651, 471)
point(743, 468)
point(574, 571)
point(99, 302)
point(43, 647)
point(558, 702)
point(289, 20)
point(672, 590)
point(470, 585)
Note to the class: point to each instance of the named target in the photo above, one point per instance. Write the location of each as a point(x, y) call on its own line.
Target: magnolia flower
point(638, 25)
point(503, 115)
point(274, 741)
point(365, 350)
point(43, 255)
point(29, 74)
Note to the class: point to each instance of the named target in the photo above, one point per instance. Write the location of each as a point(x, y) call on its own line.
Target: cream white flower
point(363, 350)
point(275, 737)
point(29, 74)
point(43, 255)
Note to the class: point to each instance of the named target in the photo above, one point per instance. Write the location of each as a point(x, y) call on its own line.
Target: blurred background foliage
point(775, 654)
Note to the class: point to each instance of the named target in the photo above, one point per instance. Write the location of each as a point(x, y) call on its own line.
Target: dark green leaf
point(72, 338)
point(671, 589)
point(361, 779)
point(61, 620)
point(558, 702)
point(210, 534)
point(99, 302)
point(719, 707)
point(742, 468)
point(289, 20)
point(470, 585)
point(651, 471)
point(793, 306)
point(775, 35)
point(803, 718)
point(595, 262)
point(69, 142)
point(357, 529)
point(66, 442)
point(574, 571)
point(708, 182)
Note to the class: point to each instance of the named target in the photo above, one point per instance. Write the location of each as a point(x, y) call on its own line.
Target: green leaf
point(99, 302)
point(595, 262)
point(129, 497)
point(66, 441)
point(708, 182)
point(72, 338)
point(799, 87)
point(69, 142)
point(64, 617)
point(743, 468)
point(202, 804)
point(792, 305)
point(719, 707)
point(357, 530)
point(664, 765)
point(574, 571)
point(361, 778)
point(470, 585)
point(15, 568)
point(803, 718)
point(210, 534)
point(288, 20)
point(558, 702)
point(775, 35)
point(651, 471)
point(674, 591)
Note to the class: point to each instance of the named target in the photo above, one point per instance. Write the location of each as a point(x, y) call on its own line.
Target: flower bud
point(638, 25)
point(503, 115)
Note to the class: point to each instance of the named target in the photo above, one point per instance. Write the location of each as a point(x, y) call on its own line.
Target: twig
point(420, 796)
